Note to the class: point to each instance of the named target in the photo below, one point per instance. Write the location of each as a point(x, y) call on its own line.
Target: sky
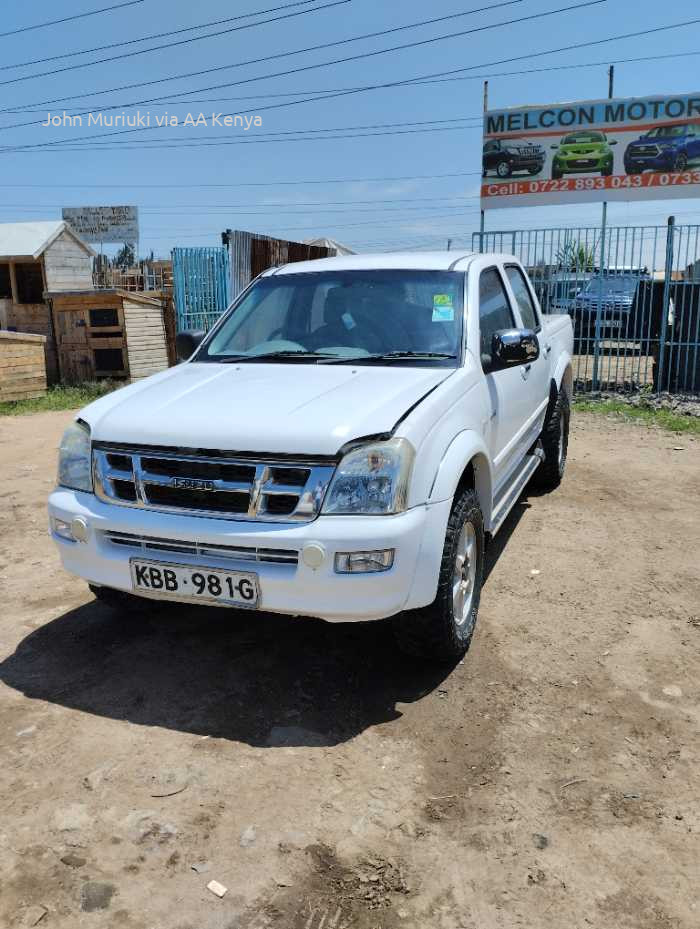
point(401, 167)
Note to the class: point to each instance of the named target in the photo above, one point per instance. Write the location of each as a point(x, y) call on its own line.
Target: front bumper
point(582, 164)
point(417, 536)
point(664, 161)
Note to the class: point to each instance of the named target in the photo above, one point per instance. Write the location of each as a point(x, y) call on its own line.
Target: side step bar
point(510, 497)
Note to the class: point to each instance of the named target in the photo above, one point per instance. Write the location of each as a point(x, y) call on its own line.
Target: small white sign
point(104, 223)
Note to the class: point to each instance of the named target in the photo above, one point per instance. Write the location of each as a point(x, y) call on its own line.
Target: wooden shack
point(35, 258)
point(22, 366)
point(108, 334)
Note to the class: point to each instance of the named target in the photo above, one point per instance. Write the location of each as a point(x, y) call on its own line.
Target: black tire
point(607, 172)
point(681, 163)
point(503, 169)
point(556, 174)
point(432, 632)
point(555, 442)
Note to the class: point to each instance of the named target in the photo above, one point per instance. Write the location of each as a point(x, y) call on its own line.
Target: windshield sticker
point(348, 321)
point(443, 308)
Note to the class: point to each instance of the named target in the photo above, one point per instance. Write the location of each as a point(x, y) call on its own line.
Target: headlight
point(74, 459)
point(372, 479)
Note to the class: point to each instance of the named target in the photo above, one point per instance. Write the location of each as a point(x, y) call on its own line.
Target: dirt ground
point(549, 780)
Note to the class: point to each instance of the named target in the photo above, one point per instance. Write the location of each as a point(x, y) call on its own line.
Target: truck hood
point(277, 408)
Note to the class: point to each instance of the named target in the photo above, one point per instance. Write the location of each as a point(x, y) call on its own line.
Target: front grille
point(223, 487)
point(646, 150)
point(173, 546)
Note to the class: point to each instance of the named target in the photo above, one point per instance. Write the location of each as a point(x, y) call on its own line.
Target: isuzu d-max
point(340, 445)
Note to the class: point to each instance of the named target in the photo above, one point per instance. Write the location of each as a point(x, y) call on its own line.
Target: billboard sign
point(104, 223)
point(637, 148)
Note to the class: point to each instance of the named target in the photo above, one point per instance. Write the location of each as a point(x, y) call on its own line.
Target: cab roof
point(389, 261)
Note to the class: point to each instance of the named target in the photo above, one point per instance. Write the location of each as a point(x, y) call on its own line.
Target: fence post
point(668, 271)
point(599, 309)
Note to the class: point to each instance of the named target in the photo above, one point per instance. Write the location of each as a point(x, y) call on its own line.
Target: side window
point(522, 295)
point(494, 310)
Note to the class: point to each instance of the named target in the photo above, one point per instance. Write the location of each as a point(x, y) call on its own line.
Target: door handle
point(525, 371)
point(547, 350)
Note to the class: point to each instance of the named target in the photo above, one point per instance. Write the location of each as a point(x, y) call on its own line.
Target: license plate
point(185, 582)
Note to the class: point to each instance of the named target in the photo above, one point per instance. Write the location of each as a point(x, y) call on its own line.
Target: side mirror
point(513, 347)
point(186, 342)
point(613, 142)
point(553, 147)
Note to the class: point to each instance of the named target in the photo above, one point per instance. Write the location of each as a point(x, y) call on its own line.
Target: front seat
point(339, 327)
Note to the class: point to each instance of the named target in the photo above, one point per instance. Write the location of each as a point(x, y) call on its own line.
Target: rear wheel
point(555, 442)
point(443, 630)
point(556, 173)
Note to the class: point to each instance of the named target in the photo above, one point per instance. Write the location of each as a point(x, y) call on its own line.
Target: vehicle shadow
point(261, 679)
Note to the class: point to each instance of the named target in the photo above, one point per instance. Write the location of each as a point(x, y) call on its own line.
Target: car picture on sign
point(621, 149)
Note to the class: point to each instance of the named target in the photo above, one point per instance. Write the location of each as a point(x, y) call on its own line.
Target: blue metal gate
point(202, 286)
point(633, 293)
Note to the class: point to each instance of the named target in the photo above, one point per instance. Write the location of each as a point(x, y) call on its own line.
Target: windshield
point(667, 131)
point(333, 315)
point(625, 285)
point(578, 138)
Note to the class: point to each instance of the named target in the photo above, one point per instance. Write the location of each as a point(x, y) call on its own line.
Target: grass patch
point(664, 419)
point(60, 398)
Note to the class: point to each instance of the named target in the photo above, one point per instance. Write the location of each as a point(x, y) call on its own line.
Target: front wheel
point(555, 442)
point(443, 630)
point(503, 169)
point(681, 163)
point(556, 174)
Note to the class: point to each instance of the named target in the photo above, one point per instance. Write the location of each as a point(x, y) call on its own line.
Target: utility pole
point(603, 233)
point(483, 218)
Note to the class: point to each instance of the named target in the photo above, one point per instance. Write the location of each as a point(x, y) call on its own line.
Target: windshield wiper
point(292, 355)
point(391, 356)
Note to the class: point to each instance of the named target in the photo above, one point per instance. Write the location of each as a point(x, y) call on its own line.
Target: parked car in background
point(564, 287)
point(614, 292)
point(583, 152)
point(505, 157)
point(339, 446)
point(664, 148)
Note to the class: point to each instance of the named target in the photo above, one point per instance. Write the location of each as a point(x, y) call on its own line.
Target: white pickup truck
point(340, 445)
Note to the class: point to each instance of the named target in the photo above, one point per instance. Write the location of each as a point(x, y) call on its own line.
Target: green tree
point(125, 257)
point(576, 256)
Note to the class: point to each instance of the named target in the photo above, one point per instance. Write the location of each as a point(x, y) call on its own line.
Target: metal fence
point(633, 293)
point(201, 286)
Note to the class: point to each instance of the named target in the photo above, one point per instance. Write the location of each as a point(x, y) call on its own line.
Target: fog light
point(62, 529)
point(364, 562)
point(80, 529)
point(313, 555)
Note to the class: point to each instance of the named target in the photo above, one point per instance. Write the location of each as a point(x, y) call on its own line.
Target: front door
point(505, 387)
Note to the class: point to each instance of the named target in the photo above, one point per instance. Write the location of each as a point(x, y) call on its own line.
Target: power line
point(170, 45)
point(407, 83)
point(276, 135)
point(67, 19)
point(155, 35)
point(298, 70)
point(309, 182)
point(157, 145)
